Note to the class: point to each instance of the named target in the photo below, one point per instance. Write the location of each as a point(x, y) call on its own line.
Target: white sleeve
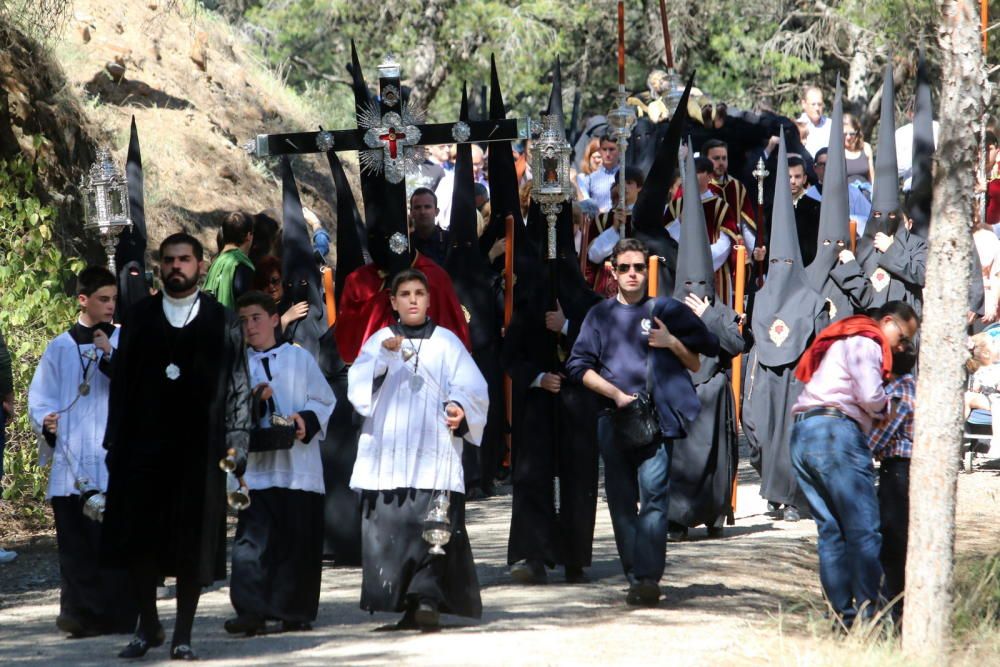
point(319, 397)
point(749, 238)
point(43, 393)
point(468, 388)
point(720, 251)
point(537, 382)
point(372, 362)
point(601, 247)
point(674, 229)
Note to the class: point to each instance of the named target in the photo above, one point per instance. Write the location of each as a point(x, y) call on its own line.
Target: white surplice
point(298, 385)
point(80, 432)
point(404, 441)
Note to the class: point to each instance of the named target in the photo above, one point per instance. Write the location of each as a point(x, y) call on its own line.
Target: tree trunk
point(934, 471)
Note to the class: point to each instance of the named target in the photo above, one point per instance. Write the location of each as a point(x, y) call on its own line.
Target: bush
point(34, 308)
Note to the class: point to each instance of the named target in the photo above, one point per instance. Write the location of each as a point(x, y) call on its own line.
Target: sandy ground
point(745, 599)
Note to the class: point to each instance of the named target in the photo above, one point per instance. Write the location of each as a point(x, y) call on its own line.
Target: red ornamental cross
point(392, 136)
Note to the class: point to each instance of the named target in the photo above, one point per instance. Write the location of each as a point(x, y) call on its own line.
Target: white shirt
point(819, 135)
point(55, 387)
point(404, 441)
point(180, 311)
point(904, 150)
point(298, 385)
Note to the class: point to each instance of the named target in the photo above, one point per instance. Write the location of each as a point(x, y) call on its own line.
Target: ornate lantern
point(105, 204)
point(551, 184)
point(621, 120)
point(437, 525)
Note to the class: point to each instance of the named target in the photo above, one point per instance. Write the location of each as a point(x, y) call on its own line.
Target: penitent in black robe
point(703, 465)
point(166, 497)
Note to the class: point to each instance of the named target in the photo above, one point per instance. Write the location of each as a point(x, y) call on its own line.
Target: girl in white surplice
point(421, 395)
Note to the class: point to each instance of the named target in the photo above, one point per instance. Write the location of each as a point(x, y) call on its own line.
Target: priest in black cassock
point(704, 462)
point(891, 260)
point(422, 397)
point(179, 401)
point(787, 314)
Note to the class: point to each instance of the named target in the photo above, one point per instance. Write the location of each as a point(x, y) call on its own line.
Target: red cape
point(856, 325)
point(365, 308)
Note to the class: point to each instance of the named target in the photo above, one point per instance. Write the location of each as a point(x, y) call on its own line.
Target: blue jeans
point(835, 472)
point(637, 477)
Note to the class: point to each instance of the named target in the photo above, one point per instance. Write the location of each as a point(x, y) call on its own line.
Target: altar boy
point(278, 551)
point(68, 408)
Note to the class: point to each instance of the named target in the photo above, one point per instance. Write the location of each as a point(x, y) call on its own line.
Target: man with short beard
point(179, 402)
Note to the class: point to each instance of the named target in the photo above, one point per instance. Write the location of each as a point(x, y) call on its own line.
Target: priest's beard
point(177, 283)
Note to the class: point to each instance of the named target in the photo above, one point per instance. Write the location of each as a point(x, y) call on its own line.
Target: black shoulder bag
point(637, 425)
point(280, 435)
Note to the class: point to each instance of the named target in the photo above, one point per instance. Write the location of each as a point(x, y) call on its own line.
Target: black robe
point(553, 435)
point(703, 465)
point(166, 497)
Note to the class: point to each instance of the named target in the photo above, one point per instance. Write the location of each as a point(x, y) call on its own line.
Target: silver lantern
point(105, 204)
point(94, 501)
point(437, 525)
point(621, 120)
point(551, 184)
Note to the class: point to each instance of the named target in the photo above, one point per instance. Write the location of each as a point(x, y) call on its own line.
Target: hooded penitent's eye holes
point(827, 241)
point(840, 243)
point(788, 261)
point(702, 282)
point(775, 261)
point(893, 215)
point(877, 214)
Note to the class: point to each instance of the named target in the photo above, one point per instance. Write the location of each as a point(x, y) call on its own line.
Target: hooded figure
point(478, 288)
point(891, 261)
point(130, 254)
point(364, 301)
point(554, 418)
point(788, 312)
point(834, 228)
point(918, 202)
point(704, 462)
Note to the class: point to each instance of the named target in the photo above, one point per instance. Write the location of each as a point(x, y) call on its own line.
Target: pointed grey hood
point(694, 257)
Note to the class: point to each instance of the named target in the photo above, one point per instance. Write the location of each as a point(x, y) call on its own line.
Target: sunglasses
point(819, 164)
point(624, 268)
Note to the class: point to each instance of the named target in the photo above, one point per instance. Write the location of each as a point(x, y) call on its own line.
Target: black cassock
point(553, 434)
point(398, 564)
point(166, 497)
point(703, 464)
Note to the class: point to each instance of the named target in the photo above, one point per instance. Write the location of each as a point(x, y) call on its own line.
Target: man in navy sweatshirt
point(610, 358)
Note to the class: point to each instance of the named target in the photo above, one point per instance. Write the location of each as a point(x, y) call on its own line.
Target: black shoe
point(576, 575)
point(529, 571)
point(715, 532)
point(245, 624)
point(774, 509)
point(408, 622)
point(183, 652)
point(427, 616)
point(791, 513)
point(677, 534)
point(296, 626)
point(139, 645)
point(474, 493)
point(645, 593)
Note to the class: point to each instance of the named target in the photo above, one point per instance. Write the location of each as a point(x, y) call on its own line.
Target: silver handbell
point(237, 492)
point(437, 525)
point(94, 501)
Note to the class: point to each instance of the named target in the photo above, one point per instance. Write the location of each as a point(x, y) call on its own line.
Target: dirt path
point(744, 599)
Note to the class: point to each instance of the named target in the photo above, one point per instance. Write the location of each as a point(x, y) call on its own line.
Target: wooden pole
point(621, 46)
point(653, 282)
point(508, 313)
point(741, 281)
point(984, 22)
point(666, 35)
point(331, 306)
point(853, 224)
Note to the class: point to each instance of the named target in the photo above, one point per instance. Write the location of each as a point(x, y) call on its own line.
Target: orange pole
point(984, 21)
point(331, 307)
point(508, 313)
point(853, 224)
point(653, 283)
point(741, 281)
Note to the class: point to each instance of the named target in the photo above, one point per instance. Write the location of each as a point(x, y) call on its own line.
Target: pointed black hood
point(462, 226)
point(555, 106)
point(886, 211)
point(922, 185)
point(694, 258)
point(786, 308)
point(350, 227)
point(130, 252)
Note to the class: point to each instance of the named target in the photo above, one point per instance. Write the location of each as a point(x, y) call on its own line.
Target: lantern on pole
point(551, 183)
point(105, 204)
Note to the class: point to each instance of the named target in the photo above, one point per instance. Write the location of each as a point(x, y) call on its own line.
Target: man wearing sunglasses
point(610, 358)
point(843, 399)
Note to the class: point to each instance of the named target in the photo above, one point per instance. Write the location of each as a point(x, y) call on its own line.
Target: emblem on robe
point(398, 243)
point(646, 326)
point(778, 332)
point(880, 279)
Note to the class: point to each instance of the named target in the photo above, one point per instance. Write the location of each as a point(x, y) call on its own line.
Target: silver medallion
point(324, 141)
point(172, 371)
point(416, 383)
point(461, 132)
point(398, 243)
point(84, 388)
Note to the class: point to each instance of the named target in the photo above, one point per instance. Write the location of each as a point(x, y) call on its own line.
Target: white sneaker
point(7, 556)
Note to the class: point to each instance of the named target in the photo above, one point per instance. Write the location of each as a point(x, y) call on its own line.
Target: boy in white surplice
point(278, 550)
point(421, 395)
point(68, 407)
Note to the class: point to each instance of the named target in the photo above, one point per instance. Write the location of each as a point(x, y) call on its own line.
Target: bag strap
point(649, 355)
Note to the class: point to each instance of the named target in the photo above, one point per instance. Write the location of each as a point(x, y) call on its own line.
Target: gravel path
point(736, 600)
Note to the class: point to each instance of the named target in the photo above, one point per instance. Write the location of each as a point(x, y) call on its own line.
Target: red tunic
point(365, 307)
point(719, 219)
point(735, 194)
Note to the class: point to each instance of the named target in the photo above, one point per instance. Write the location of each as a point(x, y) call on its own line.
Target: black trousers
point(98, 597)
point(894, 510)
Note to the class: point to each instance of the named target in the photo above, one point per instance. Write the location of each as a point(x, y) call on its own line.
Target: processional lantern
point(550, 170)
point(622, 117)
point(105, 203)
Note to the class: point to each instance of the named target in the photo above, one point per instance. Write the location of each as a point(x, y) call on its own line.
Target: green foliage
point(33, 309)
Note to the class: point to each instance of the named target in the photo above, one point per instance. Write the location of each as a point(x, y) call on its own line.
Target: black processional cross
point(389, 133)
